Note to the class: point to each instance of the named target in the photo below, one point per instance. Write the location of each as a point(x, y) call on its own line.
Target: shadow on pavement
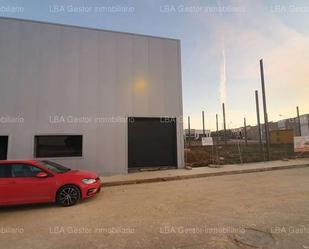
point(27, 207)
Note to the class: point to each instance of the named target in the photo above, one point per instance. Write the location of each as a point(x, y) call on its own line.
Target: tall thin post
point(298, 121)
point(189, 130)
point(265, 111)
point(258, 118)
point(217, 123)
point(245, 127)
point(224, 122)
point(203, 118)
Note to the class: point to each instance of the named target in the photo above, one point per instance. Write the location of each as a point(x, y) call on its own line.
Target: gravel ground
point(196, 213)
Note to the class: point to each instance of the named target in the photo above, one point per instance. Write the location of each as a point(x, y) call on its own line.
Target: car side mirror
point(41, 175)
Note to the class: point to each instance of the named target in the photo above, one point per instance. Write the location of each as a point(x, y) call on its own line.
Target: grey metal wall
point(50, 70)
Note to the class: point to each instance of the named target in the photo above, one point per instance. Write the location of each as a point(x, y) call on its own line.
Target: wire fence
point(236, 152)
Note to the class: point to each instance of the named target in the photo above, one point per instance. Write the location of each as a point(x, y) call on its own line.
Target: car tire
point(68, 195)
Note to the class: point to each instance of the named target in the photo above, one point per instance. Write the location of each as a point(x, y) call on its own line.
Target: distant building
point(253, 131)
point(292, 123)
point(281, 136)
point(196, 134)
point(304, 124)
point(284, 124)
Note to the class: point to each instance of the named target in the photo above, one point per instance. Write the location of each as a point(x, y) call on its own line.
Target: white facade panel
point(50, 71)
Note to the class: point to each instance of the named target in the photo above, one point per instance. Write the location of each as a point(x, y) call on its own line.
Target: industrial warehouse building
point(88, 98)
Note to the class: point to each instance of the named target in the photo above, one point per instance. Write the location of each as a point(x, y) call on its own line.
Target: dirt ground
point(195, 214)
point(234, 153)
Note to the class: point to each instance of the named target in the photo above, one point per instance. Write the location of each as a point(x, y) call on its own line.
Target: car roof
point(17, 161)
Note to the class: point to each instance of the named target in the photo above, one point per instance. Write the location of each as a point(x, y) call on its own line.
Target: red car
point(33, 181)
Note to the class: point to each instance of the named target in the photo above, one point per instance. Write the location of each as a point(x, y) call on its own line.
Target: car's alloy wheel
point(68, 195)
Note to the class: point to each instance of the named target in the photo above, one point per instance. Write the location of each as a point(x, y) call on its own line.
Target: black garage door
point(152, 142)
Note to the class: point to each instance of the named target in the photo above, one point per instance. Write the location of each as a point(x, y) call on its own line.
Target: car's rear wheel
point(68, 195)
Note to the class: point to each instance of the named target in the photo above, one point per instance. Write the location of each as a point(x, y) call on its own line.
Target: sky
point(220, 48)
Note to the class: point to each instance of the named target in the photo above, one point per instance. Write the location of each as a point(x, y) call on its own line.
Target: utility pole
point(189, 130)
point(258, 118)
point(203, 118)
point(298, 121)
point(224, 123)
point(245, 127)
point(217, 124)
point(265, 111)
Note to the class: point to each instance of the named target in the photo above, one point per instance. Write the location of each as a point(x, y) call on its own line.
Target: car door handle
point(11, 182)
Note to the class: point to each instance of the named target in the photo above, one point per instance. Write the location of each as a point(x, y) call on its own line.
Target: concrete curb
point(199, 175)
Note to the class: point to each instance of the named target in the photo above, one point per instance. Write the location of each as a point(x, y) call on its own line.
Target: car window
point(24, 170)
point(5, 171)
point(55, 167)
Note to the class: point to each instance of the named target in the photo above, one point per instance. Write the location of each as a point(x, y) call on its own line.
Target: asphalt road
point(196, 213)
